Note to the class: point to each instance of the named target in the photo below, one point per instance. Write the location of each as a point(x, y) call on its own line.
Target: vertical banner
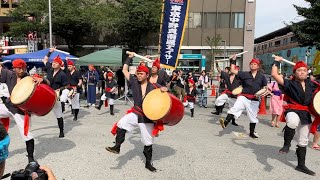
point(174, 20)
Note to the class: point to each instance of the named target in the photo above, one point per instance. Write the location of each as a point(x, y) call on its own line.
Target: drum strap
point(5, 122)
point(26, 122)
point(249, 96)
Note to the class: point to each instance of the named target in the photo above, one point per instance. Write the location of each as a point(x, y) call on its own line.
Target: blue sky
point(270, 14)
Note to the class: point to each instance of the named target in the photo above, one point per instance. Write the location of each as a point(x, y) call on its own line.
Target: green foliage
point(308, 30)
point(214, 43)
point(138, 19)
point(126, 22)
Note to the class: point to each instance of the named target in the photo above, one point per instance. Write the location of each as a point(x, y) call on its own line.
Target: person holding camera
point(4, 148)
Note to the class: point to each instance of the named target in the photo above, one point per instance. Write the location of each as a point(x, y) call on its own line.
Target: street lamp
point(50, 24)
point(224, 51)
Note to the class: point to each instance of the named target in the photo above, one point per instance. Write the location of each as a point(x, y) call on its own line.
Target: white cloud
point(271, 14)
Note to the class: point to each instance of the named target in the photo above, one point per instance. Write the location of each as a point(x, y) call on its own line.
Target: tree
point(72, 20)
point(137, 20)
point(214, 43)
point(308, 31)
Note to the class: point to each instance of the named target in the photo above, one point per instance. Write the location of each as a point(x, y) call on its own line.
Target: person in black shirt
point(58, 81)
point(109, 95)
point(120, 81)
point(74, 88)
point(252, 82)
point(155, 77)
point(135, 117)
point(179, 87)
point(222, 85)
point(232, 82)
point(9, 110)
point(101, 84)
point(298, 94)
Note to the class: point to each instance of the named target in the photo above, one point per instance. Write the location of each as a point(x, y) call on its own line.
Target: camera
point(31, 170)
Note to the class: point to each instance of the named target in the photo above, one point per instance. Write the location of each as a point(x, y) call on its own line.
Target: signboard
point(174, 20)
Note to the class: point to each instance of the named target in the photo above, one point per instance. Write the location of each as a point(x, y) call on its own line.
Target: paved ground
point(196, 148)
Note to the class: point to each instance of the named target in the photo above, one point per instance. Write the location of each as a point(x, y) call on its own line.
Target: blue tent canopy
point(37, 57)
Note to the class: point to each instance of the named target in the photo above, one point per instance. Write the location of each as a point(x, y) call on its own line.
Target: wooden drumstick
point(139, 56)
point(284, 60)
point(239, 54)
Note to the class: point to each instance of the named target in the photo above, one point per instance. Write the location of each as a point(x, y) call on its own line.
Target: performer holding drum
point(298, 94)
point(8, 109)
point(136, 117)
point(232, 82)
point(109, 95)
point(58, 81)
point(252, 82)
point(72, 93)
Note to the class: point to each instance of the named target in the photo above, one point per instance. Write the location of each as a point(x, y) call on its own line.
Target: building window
point(4, 3)
point(224, 20)
point(277, 43)
point(210, 20)
point(293, 39)
point(238, 20)
point(194, 20)
point(285, 41)
point(265, 46)
point(270, 44)
point(15, 3)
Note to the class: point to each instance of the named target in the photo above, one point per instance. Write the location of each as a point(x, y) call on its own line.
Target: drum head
point(156, 104)
point(22, 90)
point(316, 102)
point(237, 90)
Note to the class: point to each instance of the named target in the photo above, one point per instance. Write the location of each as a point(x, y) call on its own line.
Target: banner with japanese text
point(174, 20)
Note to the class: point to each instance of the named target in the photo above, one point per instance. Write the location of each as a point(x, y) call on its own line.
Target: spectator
point(101, 84)
point(203, 85)
point(120, 81)
point(4, 145)
point(92, 78)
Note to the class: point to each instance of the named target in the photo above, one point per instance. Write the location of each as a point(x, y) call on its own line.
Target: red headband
point(110, 74)
point(58, 60)
point(142, 68)
point(70, 63)
point(19, 63)
point(191, 81)
point(298, 65)
point(255, 61)
point(156, 63)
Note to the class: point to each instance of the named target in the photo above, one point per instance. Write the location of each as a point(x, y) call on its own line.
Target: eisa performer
point(252, 82)
point(232, 82)
point(75, 83)
point(58, 81)
point(191, 93)
point(135, 118)
point(155, 77)
point(9, 110)
point(109, 95)
point(298, 94)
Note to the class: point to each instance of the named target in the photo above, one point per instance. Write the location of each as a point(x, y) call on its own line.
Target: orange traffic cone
point(262, 108)
point(213, 92)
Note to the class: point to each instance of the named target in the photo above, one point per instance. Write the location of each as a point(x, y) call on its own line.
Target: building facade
point(5, 7)
point(284, 43)
point(233, 20)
